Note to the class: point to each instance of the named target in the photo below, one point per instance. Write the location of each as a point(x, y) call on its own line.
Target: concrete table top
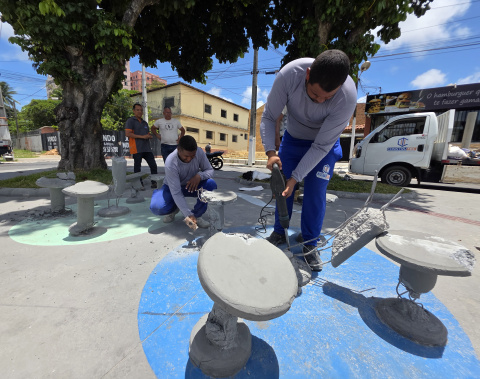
point(219, 196)
point(247, 276)
point(54, 182)
point(425, 252)
point(86, 189)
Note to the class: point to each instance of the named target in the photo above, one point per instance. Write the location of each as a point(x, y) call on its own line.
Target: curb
point(25, 192)
point(340, 194)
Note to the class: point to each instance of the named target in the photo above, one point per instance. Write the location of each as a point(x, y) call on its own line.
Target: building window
point(223, 113)
point(245, 136)
point(208, 109)
point(169, 102)
point(209, 134)
point(223, 137)
point(192, 130)
point(235, 117)
point(234, 138)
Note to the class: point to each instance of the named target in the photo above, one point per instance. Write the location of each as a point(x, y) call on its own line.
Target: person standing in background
point(138, 133)
point(166, 130)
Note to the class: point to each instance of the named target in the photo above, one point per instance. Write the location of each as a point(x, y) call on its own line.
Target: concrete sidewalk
point(69, 308)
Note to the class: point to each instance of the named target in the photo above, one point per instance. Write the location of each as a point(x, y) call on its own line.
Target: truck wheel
point(397, 176)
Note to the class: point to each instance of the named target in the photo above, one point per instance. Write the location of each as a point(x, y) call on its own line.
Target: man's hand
point(289, 187)
point(147, 136)
point(277, 142)
point(193, 183)
point(273, 158)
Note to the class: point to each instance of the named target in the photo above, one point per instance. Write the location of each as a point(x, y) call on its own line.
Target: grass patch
point(337, 183)
point(28, 181)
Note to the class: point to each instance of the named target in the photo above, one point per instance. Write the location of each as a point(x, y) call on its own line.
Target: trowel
point(277, 185)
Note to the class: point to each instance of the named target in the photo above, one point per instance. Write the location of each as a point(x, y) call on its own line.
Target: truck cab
point(397, 149)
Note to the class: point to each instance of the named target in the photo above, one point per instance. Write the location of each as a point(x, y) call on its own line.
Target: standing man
point(186, 171)
point(320, 97)
point(168, 136)
point(138, 133)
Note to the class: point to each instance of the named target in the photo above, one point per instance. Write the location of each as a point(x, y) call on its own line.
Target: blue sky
point(441, 48)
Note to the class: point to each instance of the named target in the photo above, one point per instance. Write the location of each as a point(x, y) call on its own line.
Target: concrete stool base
point(217, 362)
point(135, 200)
point(412, 321)
point(113, 211)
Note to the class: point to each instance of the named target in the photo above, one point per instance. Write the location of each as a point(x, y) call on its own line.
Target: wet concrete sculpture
point(119, 174)
point(55, 185)
point(157, 178)
point(135, 185)
point(216, 207)
point(85, 192)
point(245, 277)
point(422, 257)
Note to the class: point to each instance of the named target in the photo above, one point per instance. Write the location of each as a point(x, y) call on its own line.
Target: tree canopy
point(309, 27)
point(84, 44)
point(7, 93)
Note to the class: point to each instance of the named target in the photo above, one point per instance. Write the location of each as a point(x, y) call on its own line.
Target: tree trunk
point(79, 114)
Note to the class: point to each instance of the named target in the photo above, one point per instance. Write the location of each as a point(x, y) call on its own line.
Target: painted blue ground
point(331, 330)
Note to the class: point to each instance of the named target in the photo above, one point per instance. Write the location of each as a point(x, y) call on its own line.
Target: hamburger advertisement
point(432, 99)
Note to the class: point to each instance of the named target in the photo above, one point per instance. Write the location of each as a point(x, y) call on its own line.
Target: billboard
point(431, 99)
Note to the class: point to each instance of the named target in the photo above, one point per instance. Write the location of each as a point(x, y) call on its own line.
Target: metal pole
point(253, 111)
point(144, 94)
point(352, 141)
point(17, 142)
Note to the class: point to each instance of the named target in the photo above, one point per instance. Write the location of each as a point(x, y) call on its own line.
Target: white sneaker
point(171, 216)
point(201, 223)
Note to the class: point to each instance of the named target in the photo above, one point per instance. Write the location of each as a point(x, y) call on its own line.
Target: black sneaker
point(299, 238)
point(154, 184)
point(276, 238)
point(312, 259)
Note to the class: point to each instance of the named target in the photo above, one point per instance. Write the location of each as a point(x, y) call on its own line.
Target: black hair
point(187, 143)
point(134, 105)
point(329, 70)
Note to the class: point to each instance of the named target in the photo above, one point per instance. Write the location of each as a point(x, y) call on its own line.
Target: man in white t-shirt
point(168, 128)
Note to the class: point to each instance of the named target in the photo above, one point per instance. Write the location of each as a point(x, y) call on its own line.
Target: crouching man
point(187, 170)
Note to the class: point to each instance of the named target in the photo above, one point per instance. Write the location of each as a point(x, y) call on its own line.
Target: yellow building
point(207, 118)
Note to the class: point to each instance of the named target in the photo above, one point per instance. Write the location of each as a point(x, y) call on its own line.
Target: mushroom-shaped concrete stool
point(422, 258)
point(55, 185)
point(85, 192)
point(245, 277)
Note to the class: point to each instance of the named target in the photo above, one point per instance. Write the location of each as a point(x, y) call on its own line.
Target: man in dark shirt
point(138, 133)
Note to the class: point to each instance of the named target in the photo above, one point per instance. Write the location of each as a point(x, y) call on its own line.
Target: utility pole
point(365, 66)
point(253, 111)
point(144, 94)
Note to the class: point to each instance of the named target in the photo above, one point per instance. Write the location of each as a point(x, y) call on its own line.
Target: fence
point(114, 143)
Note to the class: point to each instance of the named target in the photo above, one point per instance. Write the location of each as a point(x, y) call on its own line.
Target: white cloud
point(215, 91)
point(474, 78)
point(430, 78)
point(435, 25)
point(261, 96)
point(6, 31)
point(362, 99)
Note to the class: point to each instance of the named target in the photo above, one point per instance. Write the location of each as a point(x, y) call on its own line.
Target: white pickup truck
point(414, 146)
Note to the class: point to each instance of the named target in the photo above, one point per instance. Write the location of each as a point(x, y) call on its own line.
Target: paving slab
point(79, 309)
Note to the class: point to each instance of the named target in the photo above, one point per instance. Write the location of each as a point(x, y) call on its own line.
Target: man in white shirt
point(168, 136)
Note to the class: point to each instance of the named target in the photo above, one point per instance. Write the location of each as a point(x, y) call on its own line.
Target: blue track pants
point(162, 202)
point(291, 152)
